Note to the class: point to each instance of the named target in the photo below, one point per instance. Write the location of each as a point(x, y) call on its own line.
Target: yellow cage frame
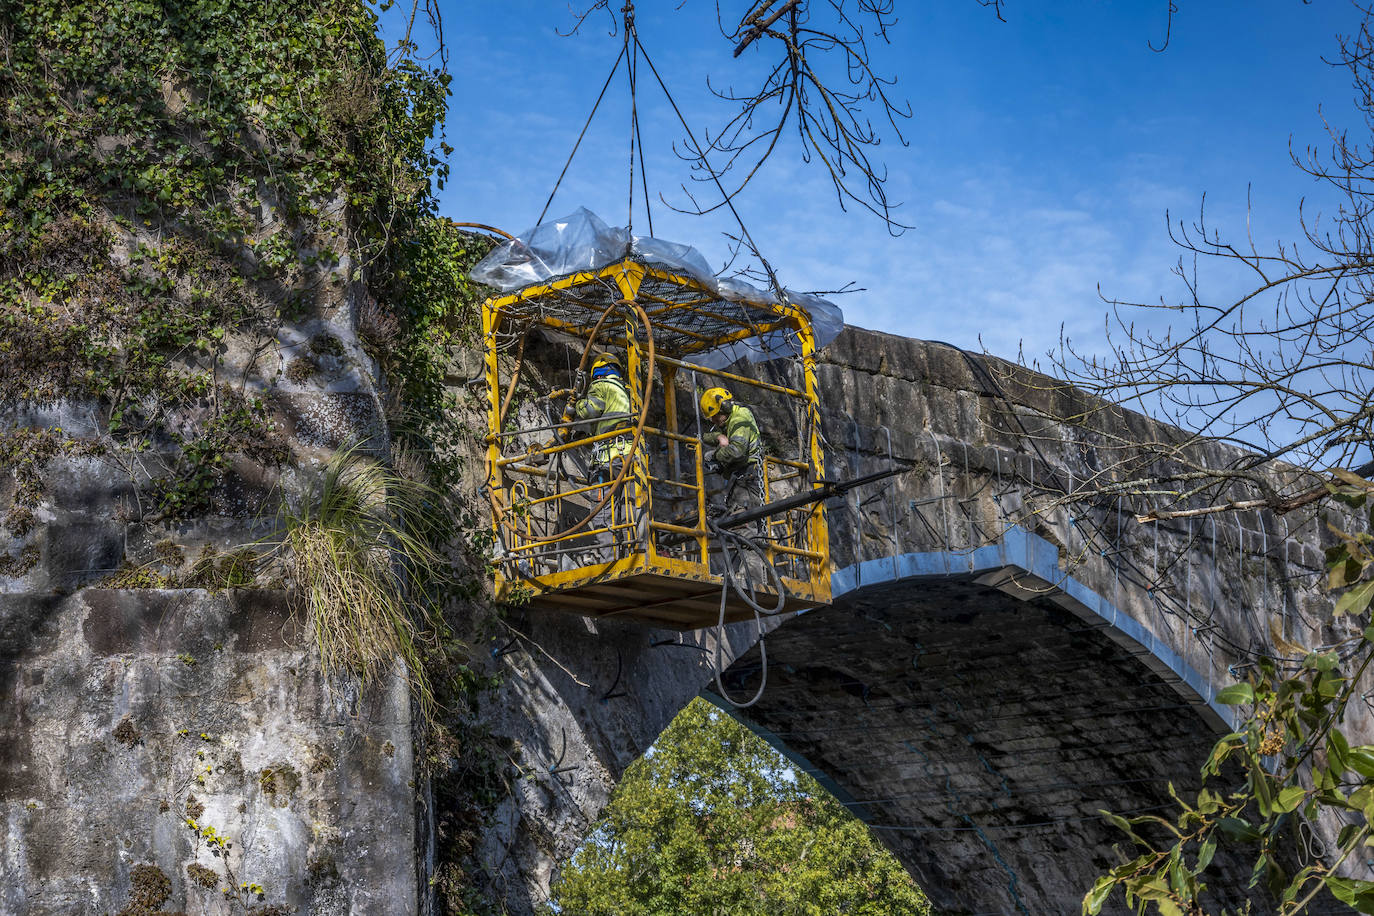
point(676, 585)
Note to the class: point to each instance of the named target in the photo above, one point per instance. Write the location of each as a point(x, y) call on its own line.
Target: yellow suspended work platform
point(645, 546)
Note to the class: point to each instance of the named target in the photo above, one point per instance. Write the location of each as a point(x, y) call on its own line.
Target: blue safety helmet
point(606, 364)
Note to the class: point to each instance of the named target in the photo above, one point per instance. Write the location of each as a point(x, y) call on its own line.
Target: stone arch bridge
point(985, 681)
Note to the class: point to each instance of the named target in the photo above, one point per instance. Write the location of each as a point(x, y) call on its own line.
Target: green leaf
point(1095, 898)
point(1121, 824)
point(1356, 600)
point(1289, 799)
point(1262, 785)
point(1236, 694)
point(1204, 855)
point(1351, 891)
point(1238, 829)
point(1222, 750)
point(1337, 752)
point(1361, 760)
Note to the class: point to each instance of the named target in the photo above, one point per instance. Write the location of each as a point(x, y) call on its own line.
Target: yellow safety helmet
point(712, 400)
point(606, 364)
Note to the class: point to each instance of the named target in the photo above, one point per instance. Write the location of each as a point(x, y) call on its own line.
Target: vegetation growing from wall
point(179, 180)
point(201, 204)
point(713, 820)
point(340, 538)
point(438, 309)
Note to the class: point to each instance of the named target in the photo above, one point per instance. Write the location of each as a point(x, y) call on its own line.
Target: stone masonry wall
point(980, 448)
point(121, 697)
point(170, 743)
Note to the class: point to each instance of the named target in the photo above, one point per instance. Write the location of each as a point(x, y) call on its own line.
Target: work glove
point(579, 381)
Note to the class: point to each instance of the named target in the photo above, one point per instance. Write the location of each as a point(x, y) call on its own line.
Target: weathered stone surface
point(977, 724)
point(141, 719)
point(978, 730)
point(135, 712)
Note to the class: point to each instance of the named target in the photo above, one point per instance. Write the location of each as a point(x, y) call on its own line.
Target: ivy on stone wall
point(190, 191)
point(178, 179)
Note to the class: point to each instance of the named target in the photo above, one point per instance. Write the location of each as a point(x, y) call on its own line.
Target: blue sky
point(1044, 151)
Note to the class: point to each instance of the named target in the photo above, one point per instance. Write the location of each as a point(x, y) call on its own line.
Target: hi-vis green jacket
point(746, 444)
point(606, 395)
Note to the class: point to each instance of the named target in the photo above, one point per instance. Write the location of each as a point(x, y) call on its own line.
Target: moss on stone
point(25, 452)
point(215, 571)
point(326, 345)
point(279, 784)
point(320, 760)
point(19, 521)
point(300, 370)
point(149, 888)
point(126, 733)
point(20, 565)
point(169, 552)
point(131, 576)
point(321, 870)
point(202, 876)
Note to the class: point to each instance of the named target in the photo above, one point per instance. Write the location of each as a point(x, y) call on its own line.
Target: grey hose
point(725, 536)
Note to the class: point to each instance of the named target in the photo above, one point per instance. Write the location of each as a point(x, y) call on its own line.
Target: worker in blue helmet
point(605, 407)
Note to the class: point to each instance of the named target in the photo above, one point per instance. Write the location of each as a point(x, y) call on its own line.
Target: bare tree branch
point(1284, 370)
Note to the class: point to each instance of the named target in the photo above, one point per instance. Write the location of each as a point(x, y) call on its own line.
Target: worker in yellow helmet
point(739, 451)
point(606, 407)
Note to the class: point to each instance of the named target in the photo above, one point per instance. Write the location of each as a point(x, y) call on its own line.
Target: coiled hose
point(724, 537)
point(615, 485)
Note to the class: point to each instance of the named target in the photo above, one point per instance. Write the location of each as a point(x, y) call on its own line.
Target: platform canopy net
point(714, 321)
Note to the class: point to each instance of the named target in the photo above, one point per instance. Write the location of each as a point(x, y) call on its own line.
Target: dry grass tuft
point(364, 567)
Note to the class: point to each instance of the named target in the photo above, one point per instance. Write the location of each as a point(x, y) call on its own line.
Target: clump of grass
point(365, 563)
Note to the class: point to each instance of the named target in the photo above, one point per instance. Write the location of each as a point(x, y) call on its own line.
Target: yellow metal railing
point(654, 513)
point(658, 521)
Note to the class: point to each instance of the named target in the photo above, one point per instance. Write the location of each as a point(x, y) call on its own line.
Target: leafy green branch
point(1289, 759)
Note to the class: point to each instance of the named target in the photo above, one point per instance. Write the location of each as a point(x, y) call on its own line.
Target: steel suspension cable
point(610, 76)
point(630, 73)
point(701, 156)
point(636, 136)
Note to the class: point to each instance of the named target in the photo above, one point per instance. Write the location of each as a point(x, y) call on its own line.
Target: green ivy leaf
point(1236, 695)
point(1356, 600)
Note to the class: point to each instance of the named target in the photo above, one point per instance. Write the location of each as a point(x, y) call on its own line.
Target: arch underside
point(978, 734)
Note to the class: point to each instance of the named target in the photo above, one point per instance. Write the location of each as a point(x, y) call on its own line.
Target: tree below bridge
point(714, 821)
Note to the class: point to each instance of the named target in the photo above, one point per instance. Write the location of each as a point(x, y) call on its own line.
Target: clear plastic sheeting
point(582, 241)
